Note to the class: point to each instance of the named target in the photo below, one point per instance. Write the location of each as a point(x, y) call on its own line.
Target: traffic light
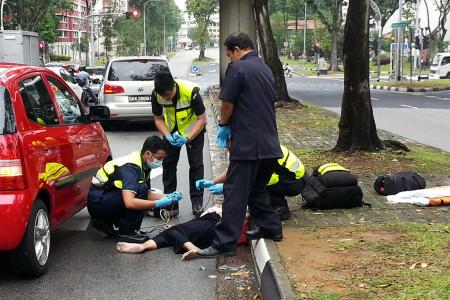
point(41, 45)
point(132, 13)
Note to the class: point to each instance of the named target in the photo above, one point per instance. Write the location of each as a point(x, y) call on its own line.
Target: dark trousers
point(196, 171)
point(109, 206)
point(285, 187)
point(244, 185)
point(198, 231)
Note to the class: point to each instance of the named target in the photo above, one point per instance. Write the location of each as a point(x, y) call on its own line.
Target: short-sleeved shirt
point(249, 85)
point(197, 105)
point(130, 175)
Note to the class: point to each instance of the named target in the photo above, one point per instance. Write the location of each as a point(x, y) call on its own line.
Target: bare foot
point(129, 247)
point(190, 254)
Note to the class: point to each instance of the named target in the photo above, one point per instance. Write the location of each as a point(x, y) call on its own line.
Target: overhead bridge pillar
point(235, 15)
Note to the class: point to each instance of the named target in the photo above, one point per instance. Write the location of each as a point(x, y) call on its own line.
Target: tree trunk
point(269, 50)
point(357, 129)
point(201, 56)
point(334, 65)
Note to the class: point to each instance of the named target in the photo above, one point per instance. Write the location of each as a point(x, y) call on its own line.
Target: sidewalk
point(344, 253)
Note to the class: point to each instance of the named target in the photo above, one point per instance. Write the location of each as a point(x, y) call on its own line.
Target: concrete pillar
point(235, 15)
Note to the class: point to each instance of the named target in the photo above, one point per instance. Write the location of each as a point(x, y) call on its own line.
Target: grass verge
point(417, 84)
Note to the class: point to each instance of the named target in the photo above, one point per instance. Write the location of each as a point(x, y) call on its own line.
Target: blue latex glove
point(164, 201)
point(180, 139)
point(171, 140)
point(223, 135)
point(169, 199)
point(216, 189)
point(203, 183)
point(176, 196)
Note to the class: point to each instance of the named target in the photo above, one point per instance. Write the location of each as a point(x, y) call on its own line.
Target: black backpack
point(332, 186)
point(392, 184)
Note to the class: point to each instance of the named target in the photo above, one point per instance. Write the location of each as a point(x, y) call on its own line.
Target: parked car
point(128, 84)
point(440, 67)
point(49, 150)
point(68, 78)
point(96, 74)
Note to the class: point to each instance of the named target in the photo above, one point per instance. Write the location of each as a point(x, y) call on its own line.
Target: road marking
point(440, 98)
point(408, 106)
point(375, 99)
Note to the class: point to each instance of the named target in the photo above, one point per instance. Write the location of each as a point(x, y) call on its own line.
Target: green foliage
point(48, 27)
point(202, 11)
point(57, 57)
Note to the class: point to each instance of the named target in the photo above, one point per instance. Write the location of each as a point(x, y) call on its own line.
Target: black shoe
point(104, 226)
point(132, 237)
point(283, 213)
point(212, 252)
point(197, 209)
point(258, 234)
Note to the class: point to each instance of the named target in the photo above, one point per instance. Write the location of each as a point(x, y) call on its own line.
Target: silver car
point(128, 84)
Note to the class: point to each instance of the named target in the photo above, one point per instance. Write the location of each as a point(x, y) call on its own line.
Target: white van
point(440, 67)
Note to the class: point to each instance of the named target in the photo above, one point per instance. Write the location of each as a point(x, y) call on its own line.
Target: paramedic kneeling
point(120, 192)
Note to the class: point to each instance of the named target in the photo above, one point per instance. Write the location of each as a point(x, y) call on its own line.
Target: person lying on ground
point(185, 238)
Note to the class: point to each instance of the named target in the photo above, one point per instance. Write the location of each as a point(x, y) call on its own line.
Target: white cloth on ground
point(419, 197)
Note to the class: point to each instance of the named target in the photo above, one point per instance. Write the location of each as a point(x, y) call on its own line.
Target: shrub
point(59, 57)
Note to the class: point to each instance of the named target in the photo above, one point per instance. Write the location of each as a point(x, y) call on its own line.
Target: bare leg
point(191, 251)
point(136, 248)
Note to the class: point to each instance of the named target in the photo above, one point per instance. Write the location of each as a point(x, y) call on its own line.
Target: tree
point(269, 49)
point(107, 28)
point(202, 11)
point(330, 14)
point(357, 129)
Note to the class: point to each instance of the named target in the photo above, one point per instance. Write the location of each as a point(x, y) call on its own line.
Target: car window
point(7, 120)
point(136, 70)
point(66, 76)
point(37, 101)
point(445, 60)
point(68, 104)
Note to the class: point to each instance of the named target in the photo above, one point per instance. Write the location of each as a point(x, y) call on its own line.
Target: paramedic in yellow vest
point(180, 117)
point(287, 180)
point(121, 193)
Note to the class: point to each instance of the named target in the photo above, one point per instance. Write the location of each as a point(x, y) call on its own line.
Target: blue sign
point(195, 68)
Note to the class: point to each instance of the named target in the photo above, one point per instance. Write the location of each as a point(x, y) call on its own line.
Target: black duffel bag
point(332, 186)
point(392, 184)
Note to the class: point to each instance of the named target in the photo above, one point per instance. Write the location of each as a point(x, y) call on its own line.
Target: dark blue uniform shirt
point(250, 86)
point(130, 175)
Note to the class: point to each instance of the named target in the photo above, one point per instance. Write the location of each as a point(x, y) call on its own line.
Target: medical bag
point(332, 186)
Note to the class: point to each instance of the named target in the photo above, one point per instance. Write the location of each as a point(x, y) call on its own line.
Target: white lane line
point(439, 98)
point(375, 99)
point(408, 106)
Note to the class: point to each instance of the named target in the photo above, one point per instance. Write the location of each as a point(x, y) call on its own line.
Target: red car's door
point(48, 151)
point(86, 137)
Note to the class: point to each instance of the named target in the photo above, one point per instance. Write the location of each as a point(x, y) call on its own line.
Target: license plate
point(138, 98)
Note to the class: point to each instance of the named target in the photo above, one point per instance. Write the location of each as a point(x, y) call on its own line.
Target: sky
point(181, 4)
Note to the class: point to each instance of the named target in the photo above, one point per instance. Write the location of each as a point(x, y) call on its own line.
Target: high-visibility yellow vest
point(106, 176)
point(182, 115)
point(291, 162)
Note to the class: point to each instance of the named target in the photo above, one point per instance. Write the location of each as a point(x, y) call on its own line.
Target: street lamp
point(1, 15)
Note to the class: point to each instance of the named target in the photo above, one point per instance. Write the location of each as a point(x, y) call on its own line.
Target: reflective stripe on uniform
point(182, 115)
point(105, 174)
point(291, 162)
point(330, 167)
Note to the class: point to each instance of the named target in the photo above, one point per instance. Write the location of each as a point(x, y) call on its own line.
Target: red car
point(49, 150)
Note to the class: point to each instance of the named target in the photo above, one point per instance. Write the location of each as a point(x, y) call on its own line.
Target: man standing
point(180, 116)
point(120, 192)
point(248, 120)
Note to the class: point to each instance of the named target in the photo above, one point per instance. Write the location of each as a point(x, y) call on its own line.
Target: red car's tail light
point(112, 89)
point(11, 175)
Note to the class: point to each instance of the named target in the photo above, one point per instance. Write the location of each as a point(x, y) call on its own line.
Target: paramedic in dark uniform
point(180, 116)
point(248, 121)
point(120, 193)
